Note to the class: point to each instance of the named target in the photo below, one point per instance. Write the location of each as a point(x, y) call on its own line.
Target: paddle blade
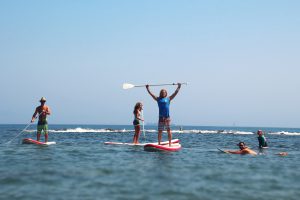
point(127, 86)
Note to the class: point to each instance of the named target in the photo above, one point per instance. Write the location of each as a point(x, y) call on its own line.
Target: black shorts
point(136, 122)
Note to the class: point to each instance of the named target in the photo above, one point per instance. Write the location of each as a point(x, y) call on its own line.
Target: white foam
point(193, 131)
point(84, 130)
point(285, 133)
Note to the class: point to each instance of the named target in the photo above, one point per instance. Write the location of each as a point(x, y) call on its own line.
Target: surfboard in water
point(162, 147)
point(31, 141)
point(141, 144)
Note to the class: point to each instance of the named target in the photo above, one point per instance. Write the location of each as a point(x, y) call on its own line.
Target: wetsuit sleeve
point(260, 142)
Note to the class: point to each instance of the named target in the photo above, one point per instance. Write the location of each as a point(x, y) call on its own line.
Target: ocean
point(80, 166)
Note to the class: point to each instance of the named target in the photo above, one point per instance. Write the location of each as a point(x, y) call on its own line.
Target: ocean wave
point(84, 130)
point(285, 133)
point(192, 131)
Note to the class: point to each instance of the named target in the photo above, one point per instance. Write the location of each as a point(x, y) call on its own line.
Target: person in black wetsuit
point(262, 142)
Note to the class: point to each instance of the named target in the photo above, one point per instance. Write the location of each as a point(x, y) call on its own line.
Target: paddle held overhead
point(127, 86)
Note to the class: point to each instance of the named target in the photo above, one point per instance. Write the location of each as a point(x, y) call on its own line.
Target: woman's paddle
point(143, 124)
point(129, 85)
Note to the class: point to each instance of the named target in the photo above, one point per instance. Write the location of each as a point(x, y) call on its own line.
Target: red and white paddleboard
point(142, 144)
point(31, 141)
point(162, 147)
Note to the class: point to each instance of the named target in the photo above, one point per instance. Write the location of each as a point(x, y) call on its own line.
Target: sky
point(240, 59)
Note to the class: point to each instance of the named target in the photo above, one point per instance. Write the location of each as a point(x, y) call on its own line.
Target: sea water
point(80, 166)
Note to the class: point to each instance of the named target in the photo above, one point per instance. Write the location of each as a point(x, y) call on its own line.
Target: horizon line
point(156, 125)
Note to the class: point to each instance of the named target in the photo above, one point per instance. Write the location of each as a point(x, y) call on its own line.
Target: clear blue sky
point(241, 59)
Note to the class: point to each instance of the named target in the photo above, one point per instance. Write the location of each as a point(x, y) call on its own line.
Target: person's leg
point(134, 137)
point(167, 125)
point(46, 137)
point(159, 136)
point(38, 136)
point(38, 133)
point(169, 136)
point(136, 134)
point(46, 132)
point(160, 129)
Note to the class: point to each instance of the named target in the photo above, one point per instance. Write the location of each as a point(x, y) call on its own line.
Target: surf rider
point(243, 150)
point(136, 122)
point(42, 126)
point(163, 102)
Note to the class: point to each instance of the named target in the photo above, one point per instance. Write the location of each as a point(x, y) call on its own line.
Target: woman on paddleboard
point(136, 122)
point(164, 119)
point(43, 110)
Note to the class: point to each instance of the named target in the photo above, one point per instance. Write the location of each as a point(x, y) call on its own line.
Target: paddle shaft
point(160, 84)
point(19, 133)
point(143, 124)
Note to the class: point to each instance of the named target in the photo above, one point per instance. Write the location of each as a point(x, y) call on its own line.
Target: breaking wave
point(193, 131)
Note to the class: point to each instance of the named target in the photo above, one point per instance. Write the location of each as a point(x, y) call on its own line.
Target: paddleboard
point(162, 147)
point(141, 144)
point(31, 141)
point(263, 147)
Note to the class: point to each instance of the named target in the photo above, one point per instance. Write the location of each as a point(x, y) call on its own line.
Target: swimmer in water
point(243, 150)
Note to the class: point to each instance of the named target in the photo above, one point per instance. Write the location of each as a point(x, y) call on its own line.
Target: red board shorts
point(164, 123)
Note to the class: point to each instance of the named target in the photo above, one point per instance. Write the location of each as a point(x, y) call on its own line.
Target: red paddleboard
point(141, 144)
point(162, 147)
point(31, 141)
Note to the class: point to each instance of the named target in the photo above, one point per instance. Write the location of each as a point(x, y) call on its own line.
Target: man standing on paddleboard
point(163, 102)
point(43, 111)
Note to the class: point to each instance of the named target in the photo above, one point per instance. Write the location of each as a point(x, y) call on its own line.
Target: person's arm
point(260, 142)
point(176, 92)
point(235, 152)
point(151, 94)
point(34, 115)
point(138, 116)
point(48, 111)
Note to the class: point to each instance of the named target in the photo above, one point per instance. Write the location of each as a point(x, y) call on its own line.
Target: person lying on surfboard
point(43, 111)
point(163, 102)
point(243, 149)
point(136, 122)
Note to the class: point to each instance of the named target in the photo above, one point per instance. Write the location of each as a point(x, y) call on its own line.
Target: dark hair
point(241, 143)
point(136, 107)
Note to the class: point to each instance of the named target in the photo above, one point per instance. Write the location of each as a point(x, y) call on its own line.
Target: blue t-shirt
point(164, 105)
